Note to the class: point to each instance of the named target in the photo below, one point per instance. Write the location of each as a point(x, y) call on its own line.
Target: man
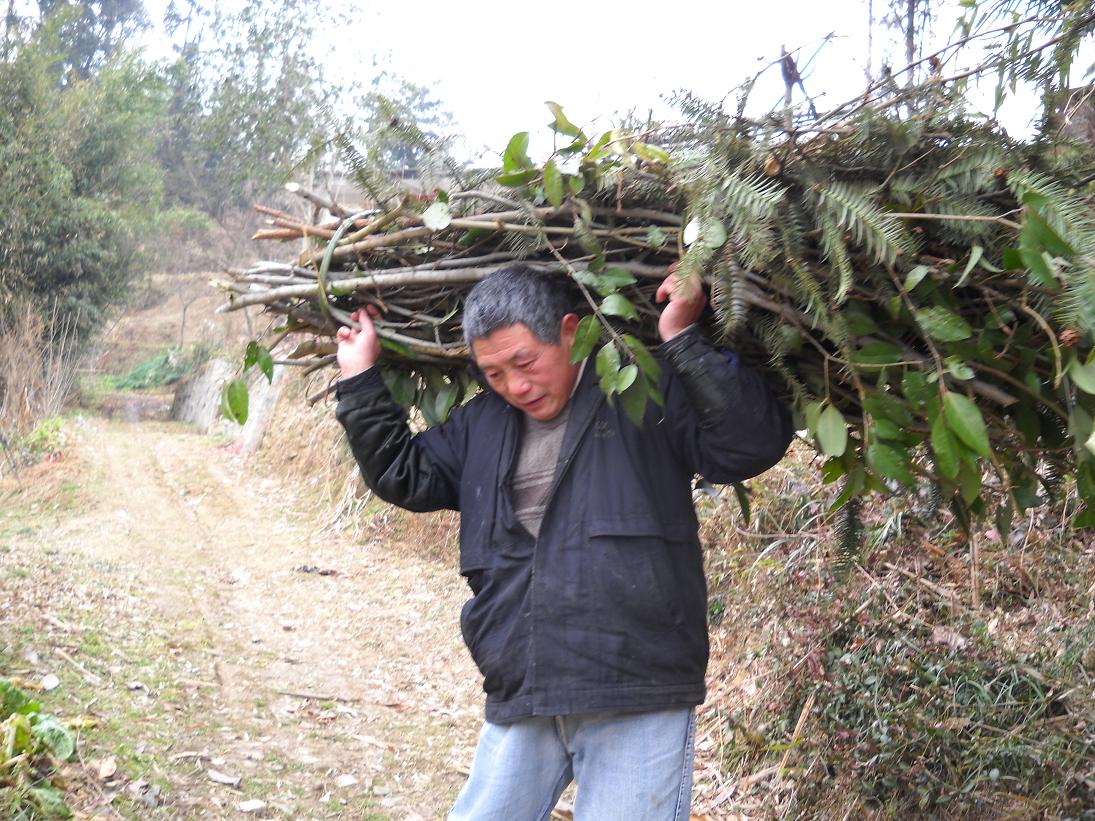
point(578, 539)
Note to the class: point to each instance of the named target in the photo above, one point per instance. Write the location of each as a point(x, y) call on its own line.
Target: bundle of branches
point(922, 286)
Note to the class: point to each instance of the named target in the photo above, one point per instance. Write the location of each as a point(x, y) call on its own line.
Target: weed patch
point(163, 368)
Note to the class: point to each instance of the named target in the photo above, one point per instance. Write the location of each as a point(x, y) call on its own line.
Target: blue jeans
point(628, 766)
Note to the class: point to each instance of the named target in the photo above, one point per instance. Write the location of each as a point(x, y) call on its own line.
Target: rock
point(198, 397)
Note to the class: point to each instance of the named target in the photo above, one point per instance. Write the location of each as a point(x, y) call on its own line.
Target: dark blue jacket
point(607, 608)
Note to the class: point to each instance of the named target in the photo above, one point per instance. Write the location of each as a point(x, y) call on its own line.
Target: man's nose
point(518, 385)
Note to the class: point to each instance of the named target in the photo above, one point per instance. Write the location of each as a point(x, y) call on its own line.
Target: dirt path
point(330, 694)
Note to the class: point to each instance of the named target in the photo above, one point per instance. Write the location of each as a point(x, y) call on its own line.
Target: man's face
point(533, 376)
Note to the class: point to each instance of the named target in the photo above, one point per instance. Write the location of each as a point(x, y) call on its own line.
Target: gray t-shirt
point(535, 472)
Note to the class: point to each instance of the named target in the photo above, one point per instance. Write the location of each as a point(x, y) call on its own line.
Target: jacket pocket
point(634, 558)
point(494, 629)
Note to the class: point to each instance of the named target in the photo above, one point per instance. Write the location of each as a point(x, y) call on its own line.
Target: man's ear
point(568, 327)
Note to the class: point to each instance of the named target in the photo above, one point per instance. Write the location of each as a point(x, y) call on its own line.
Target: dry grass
point(40, 361)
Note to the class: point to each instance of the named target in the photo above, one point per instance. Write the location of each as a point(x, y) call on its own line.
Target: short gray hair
point(518, 294)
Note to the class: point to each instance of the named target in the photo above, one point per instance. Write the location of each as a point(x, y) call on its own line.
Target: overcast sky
point(494, 63)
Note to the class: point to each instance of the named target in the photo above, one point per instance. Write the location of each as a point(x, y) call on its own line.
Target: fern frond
point(854, 209)
point(961, 231)
point(836, 252)
point(849, 547)
point(366, 175)
point(972, 172)
point(1067, 213)
point(770, 333)
point(751, 205)
point(728, 293)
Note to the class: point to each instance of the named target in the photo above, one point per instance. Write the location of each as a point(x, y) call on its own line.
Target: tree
point(91, 33)
point(76, 174)
point(245, 104)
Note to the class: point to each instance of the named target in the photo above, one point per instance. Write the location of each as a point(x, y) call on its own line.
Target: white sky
point(494, 63)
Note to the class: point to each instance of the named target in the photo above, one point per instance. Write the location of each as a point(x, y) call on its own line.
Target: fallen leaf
point(344, 781)
point(50, 682)
point(107, 768)
point(253, 805)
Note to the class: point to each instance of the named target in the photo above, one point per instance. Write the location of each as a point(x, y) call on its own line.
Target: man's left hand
point(686, 301)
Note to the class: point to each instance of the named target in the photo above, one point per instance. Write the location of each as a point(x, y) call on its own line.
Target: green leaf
point(969, 483)
point(812, 412)
point(634, 400)
point(608, 365)
point(650, 153)
point(626, 377)
point(575, 184)
point(655, 237)
point(446, 398)
point(50, 803)
point(251, 355)
point(878, 353)
point(266, 364)
point(958, 368)
point(914, 277)
point(965, 420)
point(1037, 233)
point(976, 252)
point(944, 447)
point(742, 492)
point(54, 735)
point(832, 432)
point(889, 461)
point(234, 400)
point(615, 278)
point(943, 325)
point(396, 347)
point(619, 305)
point(1038, 263)
point(516, 154)
point(643, 358)
point(553, 184)
point(561, 124)
point(1083, 376)
point(13, 701)
point(881, 404)
point(915, 388)
point(516, 179)
point(437, 217)
point(1012, 259)
point(586, 336)
point(832, 470)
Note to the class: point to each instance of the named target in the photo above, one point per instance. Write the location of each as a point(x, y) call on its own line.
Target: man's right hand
point(358, 350)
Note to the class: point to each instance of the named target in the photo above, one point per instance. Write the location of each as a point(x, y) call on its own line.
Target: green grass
point(165, 367)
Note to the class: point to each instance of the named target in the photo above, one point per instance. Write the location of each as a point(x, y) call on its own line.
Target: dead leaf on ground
point(107, 768)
